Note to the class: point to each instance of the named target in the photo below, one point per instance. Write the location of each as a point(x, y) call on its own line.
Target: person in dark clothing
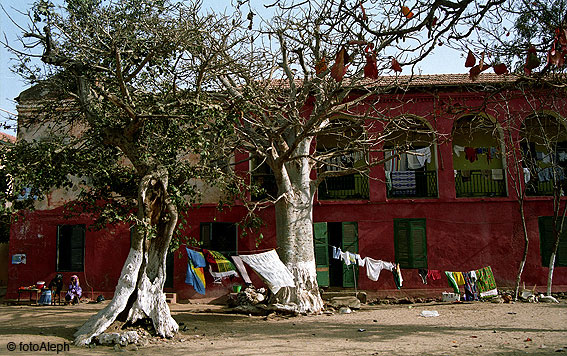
point(56, 285)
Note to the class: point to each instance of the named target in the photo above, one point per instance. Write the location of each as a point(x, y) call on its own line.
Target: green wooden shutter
point(547, 239)
point(561, 258)
point(206, 232)
point(402, 242)
point(321, 241)
point(350, 244)
point(410, 243)
point(418, 244)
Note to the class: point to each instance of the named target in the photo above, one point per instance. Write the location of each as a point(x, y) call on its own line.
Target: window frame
point(209, 227)
point(69, 266)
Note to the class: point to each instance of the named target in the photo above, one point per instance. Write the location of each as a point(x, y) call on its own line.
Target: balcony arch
point(479, 157)
point(341, 149)
point(543, 140)
point(410, 151)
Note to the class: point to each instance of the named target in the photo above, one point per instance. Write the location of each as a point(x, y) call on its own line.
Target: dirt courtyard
point(478, 328)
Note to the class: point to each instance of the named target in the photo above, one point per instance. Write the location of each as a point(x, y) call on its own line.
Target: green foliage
point(537, 23)
point(527, 35)
point(116, 102)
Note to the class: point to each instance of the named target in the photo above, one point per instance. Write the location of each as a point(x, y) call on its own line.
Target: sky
point(444, 60)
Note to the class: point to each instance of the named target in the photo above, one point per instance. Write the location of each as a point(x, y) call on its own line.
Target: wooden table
point(31, 292)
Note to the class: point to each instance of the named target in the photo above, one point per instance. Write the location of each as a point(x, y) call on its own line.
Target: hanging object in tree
point(321, 67)
point(407, 12)
point(475, 71)
point(363, 17)
point(471, 60)
point(341, 65)
point(371, 67)
point(500, 68)
point(532, 60)
point(396, 66)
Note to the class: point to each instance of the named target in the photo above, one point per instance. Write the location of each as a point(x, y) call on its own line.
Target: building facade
point(449, 201)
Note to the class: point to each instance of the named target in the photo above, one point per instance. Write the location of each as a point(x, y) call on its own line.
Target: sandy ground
point(460, 329)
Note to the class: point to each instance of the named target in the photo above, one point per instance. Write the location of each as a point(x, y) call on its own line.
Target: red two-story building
point(450, 202)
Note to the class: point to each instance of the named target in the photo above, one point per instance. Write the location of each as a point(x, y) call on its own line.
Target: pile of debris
point(251, 296)
point(250, 301)
point(342, 305)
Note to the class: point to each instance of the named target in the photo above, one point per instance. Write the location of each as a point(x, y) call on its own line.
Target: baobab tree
point(113, 113)
point(311, 74)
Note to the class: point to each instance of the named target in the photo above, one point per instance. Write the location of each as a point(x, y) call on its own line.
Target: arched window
point(411, 166)
point(342, 148)
point(478, 159)
point(544, 151)
point(263, 180)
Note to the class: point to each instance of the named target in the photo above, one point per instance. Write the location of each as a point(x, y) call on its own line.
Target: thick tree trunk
point(525, 255)
point(139, 293)
point(294, 231)
point(295, 241)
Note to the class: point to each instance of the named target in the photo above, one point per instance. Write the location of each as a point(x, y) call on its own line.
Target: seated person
point(75, 292)
point(45, 298)
point(56, 285)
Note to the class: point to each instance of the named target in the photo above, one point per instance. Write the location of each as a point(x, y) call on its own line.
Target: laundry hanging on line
point(240, 266)
point(477, 283)
point(428, 274)
point(271, 269)
point(373, 266)
point(195, 274)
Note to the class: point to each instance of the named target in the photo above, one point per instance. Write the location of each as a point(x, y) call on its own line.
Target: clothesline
point(373, 266)
point(230, 253)
point(275, 274)
point(266, 264)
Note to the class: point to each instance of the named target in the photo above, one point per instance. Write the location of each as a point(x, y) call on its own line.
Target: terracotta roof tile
point(4, 137)
point(422, 80)
point(447, 79)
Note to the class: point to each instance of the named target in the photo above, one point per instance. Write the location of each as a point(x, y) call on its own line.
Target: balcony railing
point(353, 186)
point(536, 188)
point(422, 184)
point(543, 184)
point(479, 183)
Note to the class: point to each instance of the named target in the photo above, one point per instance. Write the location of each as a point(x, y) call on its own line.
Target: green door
point(350, 244)
point(321, 240)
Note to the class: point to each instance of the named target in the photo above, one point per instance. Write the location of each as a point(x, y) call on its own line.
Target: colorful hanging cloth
point(434, 274)
point(470, 286)
point(218, 262)
point(485, 282)
point(459, 279)
point(452, 282)
point(195, 275)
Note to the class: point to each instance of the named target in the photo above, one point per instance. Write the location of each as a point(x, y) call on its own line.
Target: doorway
point(334, 272)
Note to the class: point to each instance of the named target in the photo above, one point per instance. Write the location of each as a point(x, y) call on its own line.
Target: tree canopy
point(114, 103)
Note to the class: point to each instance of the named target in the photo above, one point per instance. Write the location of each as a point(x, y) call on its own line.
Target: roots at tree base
point(149, 303)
